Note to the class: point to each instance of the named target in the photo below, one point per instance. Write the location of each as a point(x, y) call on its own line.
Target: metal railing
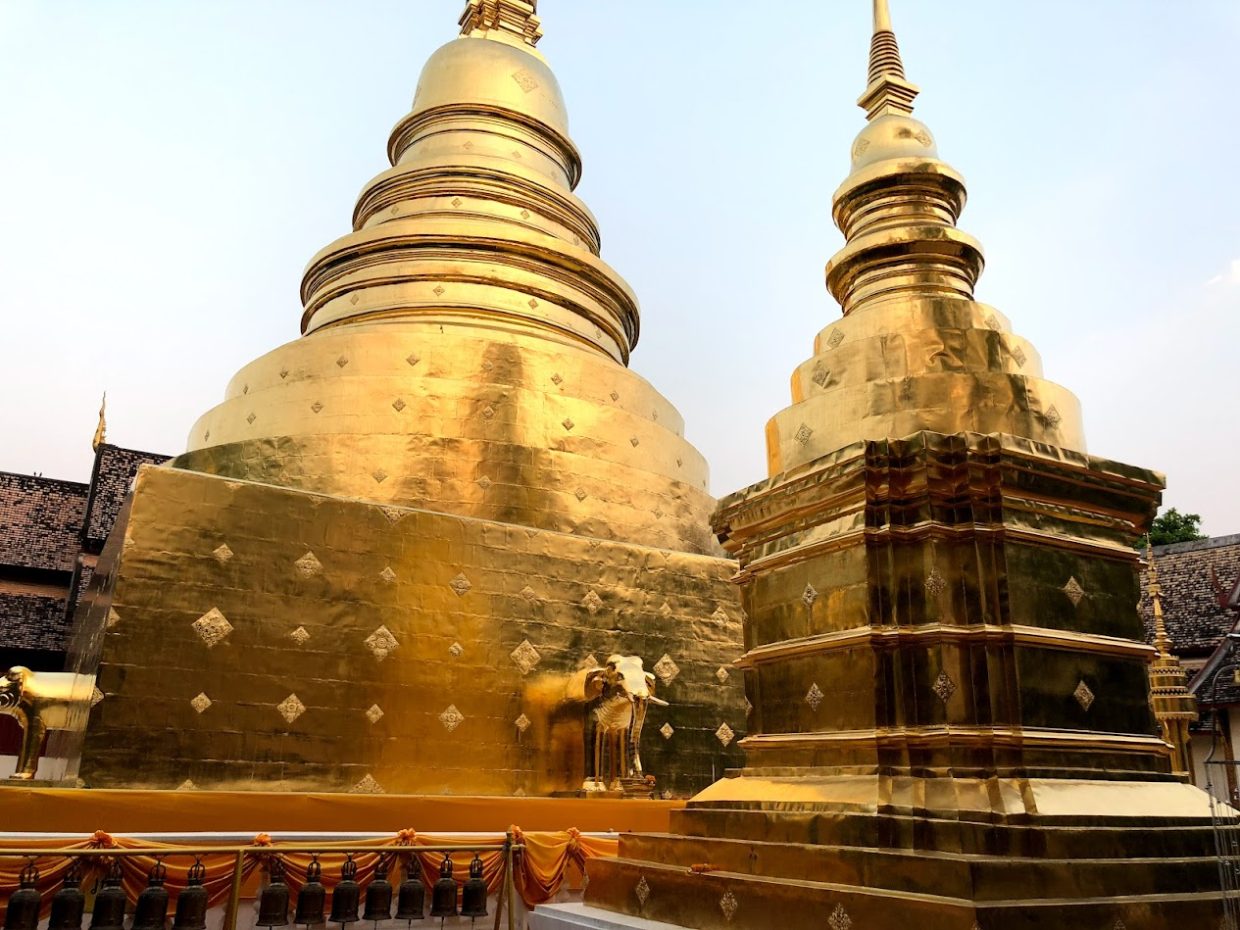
point(506, 897)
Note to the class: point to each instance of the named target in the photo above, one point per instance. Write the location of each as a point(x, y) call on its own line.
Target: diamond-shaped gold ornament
point(388, 575)
point(721, 674)
point(666, 669)
point(803, 434)
point(839, 919)
point(308, 565)
point(95, 696)
point(642, 890)
point(529, 594)
point(456, 650)
point(291, 708)
point(667, 730)
point(375, 713)
point(522, 723)
point(451, 718)
point(367, 785)
point(665, 611)
point(935, 583)
point(944, 687)
point(1074, 591)
point(526, 656)
point(299, 636)
point(212, 627)
point(222, 553)
point(814, 696)
point(728, 904)
point(725, 735)
point(460, 585)
point(592, 602)
point(200, 702)
point(1084, 696)
point(809, 595)
point(381, 643)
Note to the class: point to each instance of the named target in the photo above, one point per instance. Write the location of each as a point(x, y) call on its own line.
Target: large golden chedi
point(952, 724)
point(389, 554)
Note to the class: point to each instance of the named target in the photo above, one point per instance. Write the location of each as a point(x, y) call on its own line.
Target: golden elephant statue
point(623, 690)
point(40, 701)
point(587, 724)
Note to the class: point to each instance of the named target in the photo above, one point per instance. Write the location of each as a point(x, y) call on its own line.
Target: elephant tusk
point(659, 701)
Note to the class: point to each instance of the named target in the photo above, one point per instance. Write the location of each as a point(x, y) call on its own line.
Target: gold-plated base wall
point(255, 637)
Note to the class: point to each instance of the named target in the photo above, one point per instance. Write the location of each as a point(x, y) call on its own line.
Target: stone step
point(727, 900)
point(1093, 838)
point(977, 877)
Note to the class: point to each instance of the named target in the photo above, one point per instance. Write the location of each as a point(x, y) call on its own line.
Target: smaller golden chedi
point(951, 721)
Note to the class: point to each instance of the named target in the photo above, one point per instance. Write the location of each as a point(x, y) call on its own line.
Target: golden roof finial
point(1161, 641)
point(888, 91)
point(515, 17)
point(101, 431)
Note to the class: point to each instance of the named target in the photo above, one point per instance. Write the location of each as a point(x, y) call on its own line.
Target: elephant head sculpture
point(623, 690)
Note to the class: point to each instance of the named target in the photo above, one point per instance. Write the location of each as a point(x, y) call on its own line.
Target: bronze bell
point(346, 896)
point(443, 895)
point(24, 904)
point(151, 911)
point(110, 901)
point(311, 896)
point(273, 902)
point(411, 898)
point(474, 895)
point(191, 913)
point(68, 903)
point(379, 895)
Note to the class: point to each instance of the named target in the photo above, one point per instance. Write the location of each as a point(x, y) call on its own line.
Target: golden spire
point(1161, 641)
point(101, 431)
point(1174, 706)
point(514, 17)
point(888, 91)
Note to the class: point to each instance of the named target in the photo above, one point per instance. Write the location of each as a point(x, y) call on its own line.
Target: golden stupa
point(951, 721)
point(388, 557)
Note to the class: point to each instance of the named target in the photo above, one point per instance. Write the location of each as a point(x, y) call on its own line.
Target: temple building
point(402, 552)
point(952, 722)
point(51, 533)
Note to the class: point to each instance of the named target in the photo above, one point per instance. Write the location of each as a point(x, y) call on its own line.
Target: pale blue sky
point(168, 167)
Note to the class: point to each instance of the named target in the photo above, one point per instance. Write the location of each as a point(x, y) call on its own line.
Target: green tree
point(1174, 527)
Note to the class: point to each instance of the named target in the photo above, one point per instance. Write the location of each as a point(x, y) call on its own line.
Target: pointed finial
point(515, 17)
point(882, 16)
point(888, 91)
point(101, 431)
point(1161, 641)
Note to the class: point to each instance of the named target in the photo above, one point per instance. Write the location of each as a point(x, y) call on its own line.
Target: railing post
point(510, 881)
point(234, 896)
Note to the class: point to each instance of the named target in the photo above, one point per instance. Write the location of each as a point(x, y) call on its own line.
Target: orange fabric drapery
point(540, 868)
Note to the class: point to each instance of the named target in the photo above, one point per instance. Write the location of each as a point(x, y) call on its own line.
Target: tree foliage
point(1175, 527)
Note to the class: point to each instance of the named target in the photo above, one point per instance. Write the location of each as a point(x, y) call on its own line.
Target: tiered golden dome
point(464, 346)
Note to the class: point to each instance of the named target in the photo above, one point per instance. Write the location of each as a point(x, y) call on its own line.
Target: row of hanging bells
point(69, 903)
point(151, 911)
